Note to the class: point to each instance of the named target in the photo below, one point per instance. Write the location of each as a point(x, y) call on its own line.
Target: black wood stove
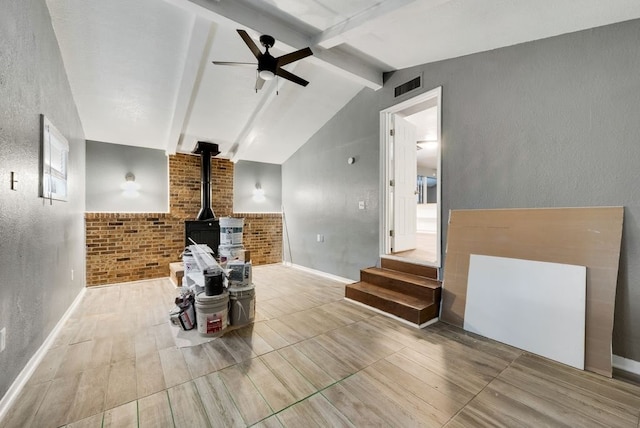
point(205, 229)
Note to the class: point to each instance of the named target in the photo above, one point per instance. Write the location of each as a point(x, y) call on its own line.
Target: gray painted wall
point(551, 123)
point(107, 165)
point(321, 191)
point(40, 243)
point(246, 175)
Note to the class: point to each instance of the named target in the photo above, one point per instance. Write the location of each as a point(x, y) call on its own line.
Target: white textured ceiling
point(141, 72)
point(122, 63)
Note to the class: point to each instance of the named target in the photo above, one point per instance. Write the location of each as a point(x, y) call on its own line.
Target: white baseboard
point(19, 383)
point(627, 365)
point(402, 320)
point(320, 273)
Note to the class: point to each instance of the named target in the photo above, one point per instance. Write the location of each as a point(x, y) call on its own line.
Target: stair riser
point(426, 271)
point(410, 314)
point(398, 285)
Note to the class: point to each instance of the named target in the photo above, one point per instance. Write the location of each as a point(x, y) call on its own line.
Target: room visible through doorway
point(411, 148)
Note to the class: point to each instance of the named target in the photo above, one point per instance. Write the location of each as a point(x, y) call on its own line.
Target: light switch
point(361, 205)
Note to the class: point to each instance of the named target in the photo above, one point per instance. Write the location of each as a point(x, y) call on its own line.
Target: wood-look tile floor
point(310, 359)
point(426, 250)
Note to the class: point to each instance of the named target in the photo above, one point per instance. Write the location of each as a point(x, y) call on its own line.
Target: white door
point(404, 184)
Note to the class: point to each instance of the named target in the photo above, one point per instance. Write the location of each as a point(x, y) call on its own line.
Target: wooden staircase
point(408, 291)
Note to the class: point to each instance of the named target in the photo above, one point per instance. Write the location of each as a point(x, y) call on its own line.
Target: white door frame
point(386, 168)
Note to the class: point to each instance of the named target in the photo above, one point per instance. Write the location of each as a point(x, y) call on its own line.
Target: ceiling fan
point(268, 66)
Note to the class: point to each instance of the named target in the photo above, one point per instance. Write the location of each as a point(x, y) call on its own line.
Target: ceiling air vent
point(408, 86)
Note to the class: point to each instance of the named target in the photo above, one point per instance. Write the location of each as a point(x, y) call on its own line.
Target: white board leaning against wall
point(536, 306)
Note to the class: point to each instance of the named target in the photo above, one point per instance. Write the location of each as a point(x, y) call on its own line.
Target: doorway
point(411, 188)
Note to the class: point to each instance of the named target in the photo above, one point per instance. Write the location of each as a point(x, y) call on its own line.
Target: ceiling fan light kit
point(266, 75)
point(269, 66)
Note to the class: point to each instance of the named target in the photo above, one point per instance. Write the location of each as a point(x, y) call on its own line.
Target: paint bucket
point(239, 273)
point(189, 262)
point(211, 313)
point(213, 285)
point(229, 252)
point(183, 315)
point(231, 230)
point(243, 305)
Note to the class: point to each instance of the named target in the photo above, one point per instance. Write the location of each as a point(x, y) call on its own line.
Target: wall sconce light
point(258, 193)
point(130, 187)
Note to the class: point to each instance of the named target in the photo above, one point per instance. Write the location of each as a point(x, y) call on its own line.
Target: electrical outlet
point(320, 238)
point(3, 336)
point(361, 205)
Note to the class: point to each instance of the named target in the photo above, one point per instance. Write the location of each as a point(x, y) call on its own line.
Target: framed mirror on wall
point(54, 162)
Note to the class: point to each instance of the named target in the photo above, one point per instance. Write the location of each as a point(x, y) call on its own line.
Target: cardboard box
point(244, 255)
point(176, 273)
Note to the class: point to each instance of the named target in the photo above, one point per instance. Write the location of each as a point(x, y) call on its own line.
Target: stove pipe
point(205, 150)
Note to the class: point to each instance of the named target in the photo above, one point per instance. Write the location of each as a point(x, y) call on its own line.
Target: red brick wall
point(262, 235)
point(125, 247)
point(129, 247)
point(184, 186)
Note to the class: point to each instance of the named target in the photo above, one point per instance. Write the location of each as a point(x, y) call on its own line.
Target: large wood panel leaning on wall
point(588, 237)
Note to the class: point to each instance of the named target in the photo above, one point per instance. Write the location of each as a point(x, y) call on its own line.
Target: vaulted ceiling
point(141, 71)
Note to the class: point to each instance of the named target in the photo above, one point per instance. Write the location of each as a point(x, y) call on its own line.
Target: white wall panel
point(536, 306)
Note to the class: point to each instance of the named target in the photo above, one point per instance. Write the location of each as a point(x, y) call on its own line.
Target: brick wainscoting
point(262, 234)
point(130, 247)
point(125, 247)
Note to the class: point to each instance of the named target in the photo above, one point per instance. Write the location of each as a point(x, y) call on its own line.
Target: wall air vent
point(408, 86)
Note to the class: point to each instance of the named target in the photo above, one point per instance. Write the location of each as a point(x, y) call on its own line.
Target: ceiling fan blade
point(249, 41)
point(236, 64)
point(294, 56)
point(259, 83)
point(292, 77)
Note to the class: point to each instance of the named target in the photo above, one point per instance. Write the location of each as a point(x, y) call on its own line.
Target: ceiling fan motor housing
point(267, 62)
point(267, 41)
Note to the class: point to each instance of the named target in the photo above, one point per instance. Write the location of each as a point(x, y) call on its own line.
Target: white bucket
point(243, 305)
point(229, 252)
point(189, 263)
point(231, 230)
point(239, 273)
point(211, 313)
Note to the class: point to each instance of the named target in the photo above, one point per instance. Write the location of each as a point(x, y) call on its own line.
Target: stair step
point(413, 309)
point(401, 266)
point(401, 282)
